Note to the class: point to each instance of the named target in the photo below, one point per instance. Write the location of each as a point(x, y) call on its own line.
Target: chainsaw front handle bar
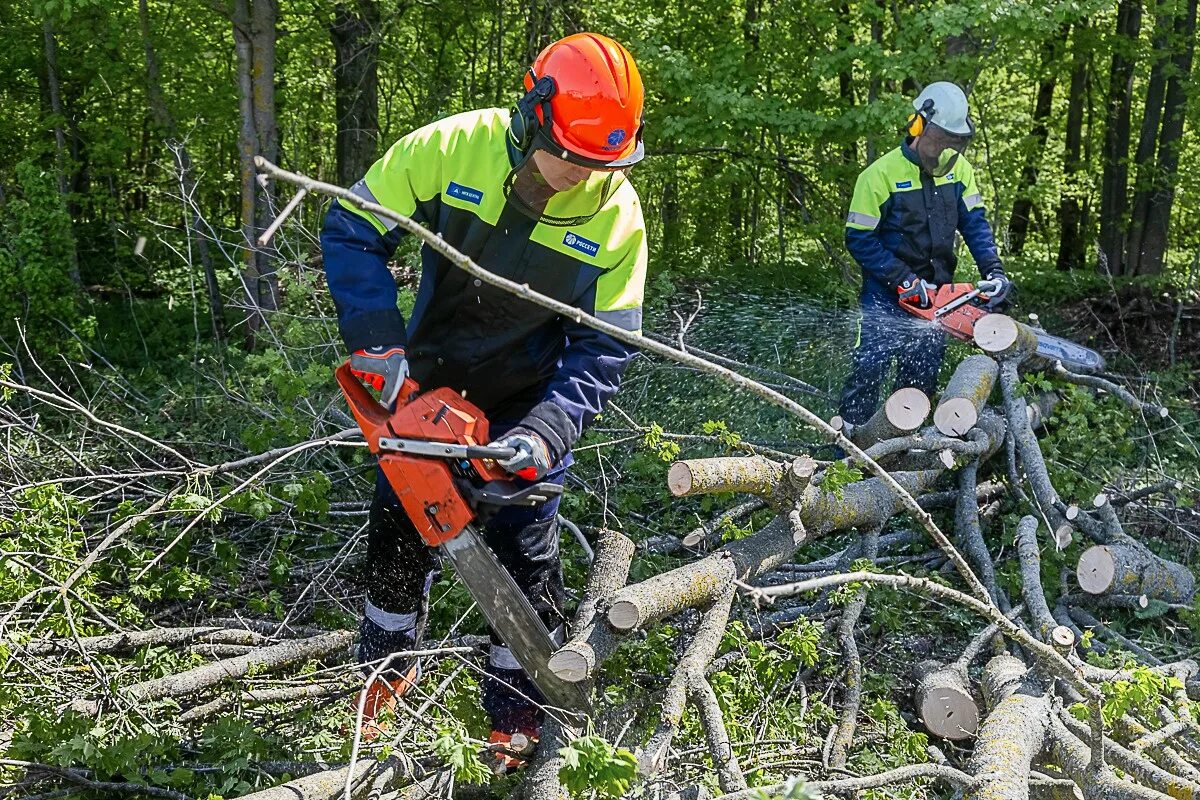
point(371, 415)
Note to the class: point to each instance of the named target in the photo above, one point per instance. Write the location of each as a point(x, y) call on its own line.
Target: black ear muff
point(524, 124)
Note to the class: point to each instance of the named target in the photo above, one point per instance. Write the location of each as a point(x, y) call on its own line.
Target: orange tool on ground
point(434, 451)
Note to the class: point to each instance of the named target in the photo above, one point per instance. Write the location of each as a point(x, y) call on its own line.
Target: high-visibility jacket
point(510, 356)
point(903, 220)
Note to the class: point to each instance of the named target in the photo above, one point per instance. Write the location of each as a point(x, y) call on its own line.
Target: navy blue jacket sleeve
point(589, 374)
point(874, 258)
point(977, 234)
point(356, 258)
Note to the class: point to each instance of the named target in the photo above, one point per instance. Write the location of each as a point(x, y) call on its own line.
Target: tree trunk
point(1018, 226)
point(262, 21)
point(1113, 201)
point(1070, 212)
point(355, 35)
point(846, 78)
point(254, 38)
point(878, 12)
point(1158, 216)
point(54, 87)
point(1143, 159)
point(165, 122)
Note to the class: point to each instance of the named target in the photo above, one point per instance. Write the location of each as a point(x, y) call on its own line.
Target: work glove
point(996, 286)
point(916, 291)
point(532, 460)
point(383, 368)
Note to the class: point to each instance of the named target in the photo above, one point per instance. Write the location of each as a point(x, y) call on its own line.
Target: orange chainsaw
point(433, 451)
point(956, 307)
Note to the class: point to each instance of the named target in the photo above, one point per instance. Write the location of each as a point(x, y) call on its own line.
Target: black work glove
point(916, 291)
point(996, 286)
point(383, 368)
point(532, 460)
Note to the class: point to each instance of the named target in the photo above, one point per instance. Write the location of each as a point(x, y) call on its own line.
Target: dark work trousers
point(400, 569)
point(887, 333)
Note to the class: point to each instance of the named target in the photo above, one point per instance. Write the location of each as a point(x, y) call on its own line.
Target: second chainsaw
point(957, 307)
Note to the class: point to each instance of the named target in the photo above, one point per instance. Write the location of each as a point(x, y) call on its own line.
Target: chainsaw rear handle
point(371, 415)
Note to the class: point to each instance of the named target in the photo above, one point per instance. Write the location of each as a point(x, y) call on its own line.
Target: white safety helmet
point(942, 126)
point(944, 104)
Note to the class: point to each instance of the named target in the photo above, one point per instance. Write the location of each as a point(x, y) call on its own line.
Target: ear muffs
point(524, 123)
point(918, 121)
point(916, 125)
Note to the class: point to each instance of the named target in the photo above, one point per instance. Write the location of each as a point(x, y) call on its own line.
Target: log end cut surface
point(1096, 570)
point(679, 479)
point(955, 416)
point(907, 408)
point(949, 713)
point(570, 665)
point(995, 333)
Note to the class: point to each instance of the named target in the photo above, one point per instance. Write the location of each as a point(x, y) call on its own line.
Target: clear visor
point(939, 149)
point(553, 190)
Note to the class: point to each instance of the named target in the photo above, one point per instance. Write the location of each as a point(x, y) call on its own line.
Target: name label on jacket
point(581, 244)
point(899, 184)
point(464, 193)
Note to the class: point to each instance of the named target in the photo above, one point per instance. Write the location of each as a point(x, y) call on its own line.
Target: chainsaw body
point(433, 450)
point(442, 489)
point(956, 307)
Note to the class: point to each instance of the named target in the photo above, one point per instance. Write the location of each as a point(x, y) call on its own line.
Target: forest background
point(128, 279)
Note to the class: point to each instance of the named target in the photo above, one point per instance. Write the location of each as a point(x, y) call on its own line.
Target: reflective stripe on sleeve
point(361, 189)
point(865, 220)
point(628, 318)
point(971, 201)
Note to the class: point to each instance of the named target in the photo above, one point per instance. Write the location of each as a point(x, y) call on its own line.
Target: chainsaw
point(433, 451)
point(956, 307)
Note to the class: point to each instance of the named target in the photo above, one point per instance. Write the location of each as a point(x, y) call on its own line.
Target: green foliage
point(461, 753)
point(37, 250)
point(591, 764)
point(726, 437)
point(664, 449)
point(1141, 695)
point(837, 476)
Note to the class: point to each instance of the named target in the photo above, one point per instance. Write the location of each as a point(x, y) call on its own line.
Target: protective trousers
point(401, 568)
point(887, 333)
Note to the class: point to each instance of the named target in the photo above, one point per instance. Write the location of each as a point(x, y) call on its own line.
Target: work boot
point(514, 706)
point(392, 683)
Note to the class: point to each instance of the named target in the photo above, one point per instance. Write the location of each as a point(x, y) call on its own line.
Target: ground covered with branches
point(181, 541)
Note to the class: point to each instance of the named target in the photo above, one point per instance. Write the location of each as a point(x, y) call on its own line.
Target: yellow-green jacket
point(508, 355)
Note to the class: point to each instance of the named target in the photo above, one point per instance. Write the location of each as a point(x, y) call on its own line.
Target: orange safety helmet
point(585, 94)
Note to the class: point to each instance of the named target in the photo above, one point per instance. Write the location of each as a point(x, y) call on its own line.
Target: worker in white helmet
point(901, 228)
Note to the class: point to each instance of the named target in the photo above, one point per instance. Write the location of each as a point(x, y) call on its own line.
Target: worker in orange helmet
point(539, 195)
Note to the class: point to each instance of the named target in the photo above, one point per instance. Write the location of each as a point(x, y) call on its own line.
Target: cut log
point(1126, 568)
point(754, 475)
point(904, 412)
point(1011, 736)
point(965, 395)
point(1004, 337)
point(943, 701)
point(578, 658)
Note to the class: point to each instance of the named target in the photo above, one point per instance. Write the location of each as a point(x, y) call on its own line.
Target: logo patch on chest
point(461, 192)
point(903, 184)
point(577, 242)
